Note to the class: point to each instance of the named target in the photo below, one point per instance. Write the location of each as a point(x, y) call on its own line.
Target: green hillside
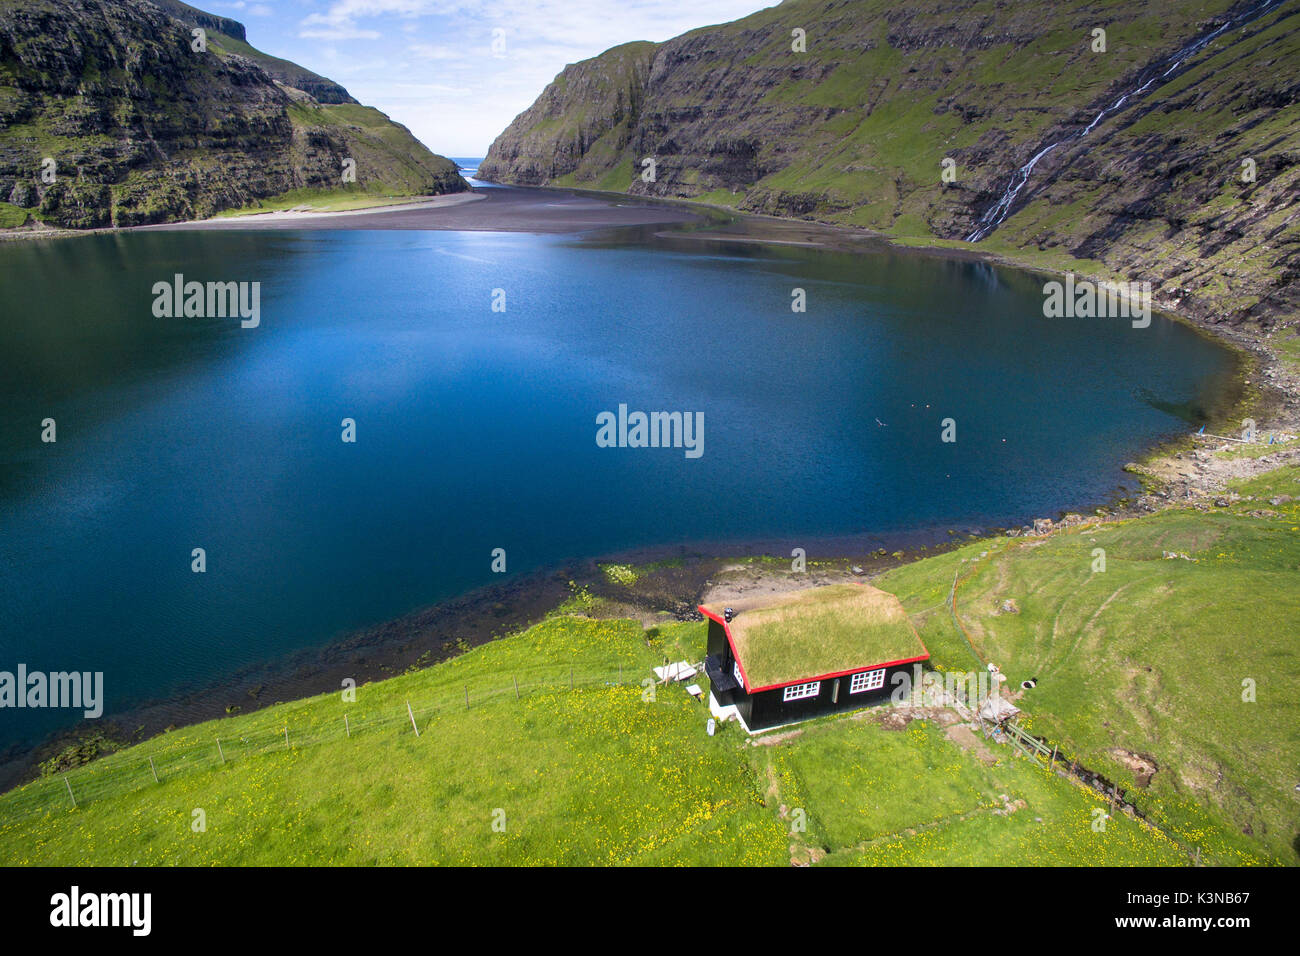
point(592, 775)
point(1150, 657)
point(141, 128)
point(855, 130)
point(550, 735)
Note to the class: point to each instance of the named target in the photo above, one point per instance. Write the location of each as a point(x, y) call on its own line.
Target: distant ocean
point(468, 167)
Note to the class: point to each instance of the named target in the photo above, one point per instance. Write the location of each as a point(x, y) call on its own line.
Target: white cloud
point(432, 51)
point(406, 57)
point(242, 6)
point(337, 33)
point(340, 19)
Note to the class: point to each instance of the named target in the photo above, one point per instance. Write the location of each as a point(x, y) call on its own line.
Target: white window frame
point(867, 680)
point(735, 672)
point(802, 691)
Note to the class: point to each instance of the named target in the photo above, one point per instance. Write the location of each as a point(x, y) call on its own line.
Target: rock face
point(580, 125)
point(856, 130)
point(142, 128)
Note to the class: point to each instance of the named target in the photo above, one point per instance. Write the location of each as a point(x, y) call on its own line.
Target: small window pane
point(867, 680)
point(799, 691)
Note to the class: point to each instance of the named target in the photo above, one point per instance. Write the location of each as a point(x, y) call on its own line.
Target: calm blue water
point(476, 430)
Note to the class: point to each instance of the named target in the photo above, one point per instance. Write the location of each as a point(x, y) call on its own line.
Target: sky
point(456, 72)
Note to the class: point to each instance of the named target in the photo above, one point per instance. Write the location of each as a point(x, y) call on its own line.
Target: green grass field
point(1287, 344)
point(1152, 656)
point(321, 200)
point(1149, 656)
point(598, 774)
point(912, 797)
point(12, 216)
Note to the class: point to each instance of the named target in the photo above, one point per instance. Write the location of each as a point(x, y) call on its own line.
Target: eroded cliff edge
point(143, 128)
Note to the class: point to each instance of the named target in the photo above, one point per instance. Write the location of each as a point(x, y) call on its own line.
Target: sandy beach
point(486, 209)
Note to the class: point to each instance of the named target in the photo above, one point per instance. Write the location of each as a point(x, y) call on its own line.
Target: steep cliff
point(855, 128)
point(109, 116)
point(579, 128)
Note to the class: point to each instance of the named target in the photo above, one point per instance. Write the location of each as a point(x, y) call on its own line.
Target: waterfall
point(998, 213)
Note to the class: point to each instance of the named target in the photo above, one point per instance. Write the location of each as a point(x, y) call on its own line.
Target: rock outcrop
point(580, 126)
point(109, 116)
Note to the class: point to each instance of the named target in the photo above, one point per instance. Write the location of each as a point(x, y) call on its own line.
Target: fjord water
point(476, 429)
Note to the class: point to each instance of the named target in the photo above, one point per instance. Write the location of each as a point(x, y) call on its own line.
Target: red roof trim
point(726, 628)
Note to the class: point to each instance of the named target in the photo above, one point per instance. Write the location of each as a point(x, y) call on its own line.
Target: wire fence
point(123, 773)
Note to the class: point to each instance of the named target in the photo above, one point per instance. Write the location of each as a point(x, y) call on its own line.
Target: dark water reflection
point(476, 429)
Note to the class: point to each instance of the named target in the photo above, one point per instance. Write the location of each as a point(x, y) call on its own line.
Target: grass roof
point(783, 638)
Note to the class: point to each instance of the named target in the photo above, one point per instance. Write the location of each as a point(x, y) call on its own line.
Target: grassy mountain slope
point(594, 775)
point(144, 129)
point(1145, 659)
point(854, 131)
point(1150, 656)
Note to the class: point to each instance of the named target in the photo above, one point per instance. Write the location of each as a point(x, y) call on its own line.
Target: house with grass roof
point(783, 658)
